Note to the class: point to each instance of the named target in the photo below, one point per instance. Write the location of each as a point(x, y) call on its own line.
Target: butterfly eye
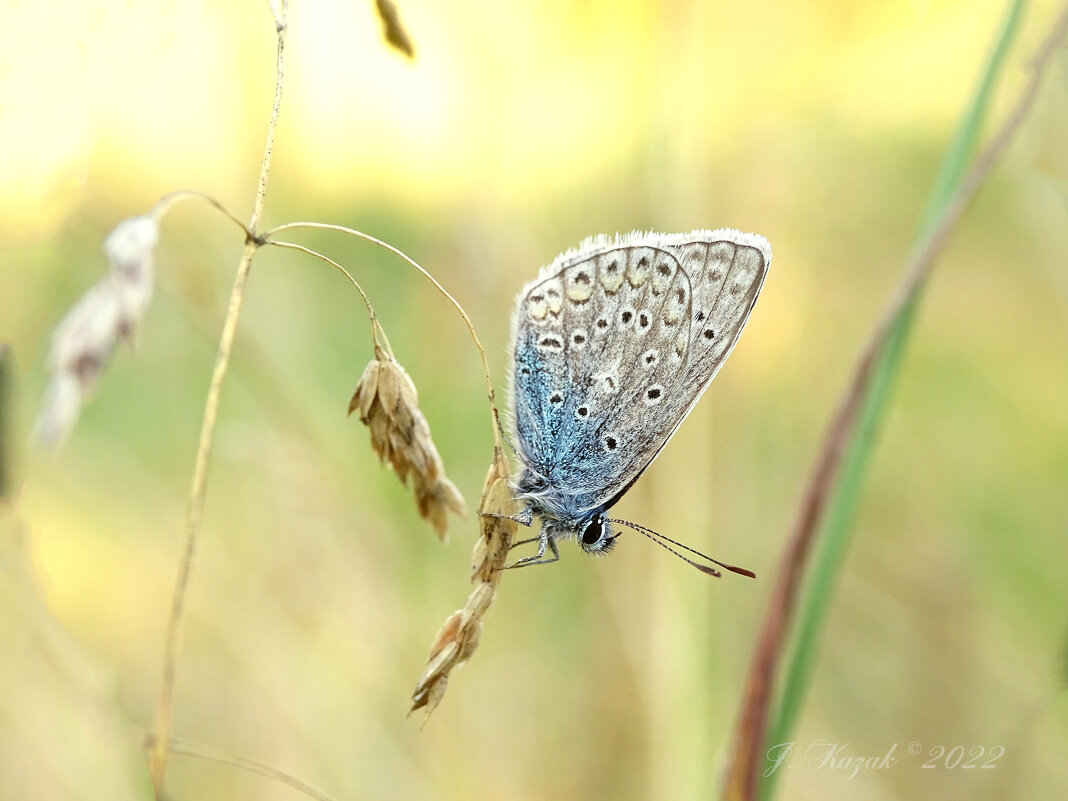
point(592, 532)
point(596, 537)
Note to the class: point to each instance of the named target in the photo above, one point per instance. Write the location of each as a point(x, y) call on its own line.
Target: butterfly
point(614, 344)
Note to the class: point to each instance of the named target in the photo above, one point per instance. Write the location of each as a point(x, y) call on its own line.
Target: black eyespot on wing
point(699, 316)
point(663, 269)
point(556, 398)
point(578, 339)
point(653, 393)
point(582, 411)
point(709, 334)
point(643, 320)
point(602, 323)
point(627, 316)
point(610, 443)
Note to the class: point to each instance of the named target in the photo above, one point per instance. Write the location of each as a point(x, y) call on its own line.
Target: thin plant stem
point(164, 204)
point(376, 329)
point(188, 748)
point(7, 404)
point(853, 430)
point(881, 365)
point(495, 417)
point(194, 516)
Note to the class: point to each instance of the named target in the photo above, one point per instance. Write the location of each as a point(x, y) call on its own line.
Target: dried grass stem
point(415, 265)
point(164, 704)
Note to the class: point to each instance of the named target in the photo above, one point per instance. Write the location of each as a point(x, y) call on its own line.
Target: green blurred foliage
point(517, 131)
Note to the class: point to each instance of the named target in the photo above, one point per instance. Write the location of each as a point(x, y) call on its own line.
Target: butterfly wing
point(727, 269)
point(611, 351)
point(600, 326)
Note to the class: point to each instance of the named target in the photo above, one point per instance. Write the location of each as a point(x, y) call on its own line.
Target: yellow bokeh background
point(518, 130)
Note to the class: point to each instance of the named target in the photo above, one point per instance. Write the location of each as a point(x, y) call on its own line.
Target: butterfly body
point(615, 342)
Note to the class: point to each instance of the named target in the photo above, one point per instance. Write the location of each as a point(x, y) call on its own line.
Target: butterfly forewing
point(612, 350)
point(726, 277)
point(588, 340)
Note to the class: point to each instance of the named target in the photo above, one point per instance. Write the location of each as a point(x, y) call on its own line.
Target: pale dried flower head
point(84, 340)
point(388, 405)
point(459, 635)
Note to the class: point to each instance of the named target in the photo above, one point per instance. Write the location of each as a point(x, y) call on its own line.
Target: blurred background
point(518, 130)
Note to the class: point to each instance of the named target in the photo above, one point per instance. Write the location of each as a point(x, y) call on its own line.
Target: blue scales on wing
point(601, 344)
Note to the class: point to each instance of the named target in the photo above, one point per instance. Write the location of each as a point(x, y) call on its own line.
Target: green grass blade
point(7, 404)
point(845, 495)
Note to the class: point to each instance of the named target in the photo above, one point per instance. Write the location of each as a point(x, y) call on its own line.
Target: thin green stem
point(835, 482)
point(7, 391)
point(870, 395)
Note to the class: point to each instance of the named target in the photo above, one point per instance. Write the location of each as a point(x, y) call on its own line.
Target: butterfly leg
point(524, 518)
point(539, 558)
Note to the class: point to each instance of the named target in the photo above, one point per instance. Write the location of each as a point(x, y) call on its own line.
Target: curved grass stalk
point(188, 748)
point(164, 204)
point(376, 329)
point(490, 394)
point(835, 482)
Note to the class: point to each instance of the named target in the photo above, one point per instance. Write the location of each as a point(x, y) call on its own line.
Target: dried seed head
point(456, 640)
point(85, 339)
point(459, 635)
point(498, 527)
point(446, 634)
point(388, 405)
point(393, 29)
point(435, 499)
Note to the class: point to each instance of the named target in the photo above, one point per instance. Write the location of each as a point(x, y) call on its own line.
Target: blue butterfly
point(614, 344)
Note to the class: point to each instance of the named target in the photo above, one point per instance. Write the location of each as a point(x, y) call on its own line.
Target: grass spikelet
point(458, 637)
point(388, 404)
point(110, 312)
